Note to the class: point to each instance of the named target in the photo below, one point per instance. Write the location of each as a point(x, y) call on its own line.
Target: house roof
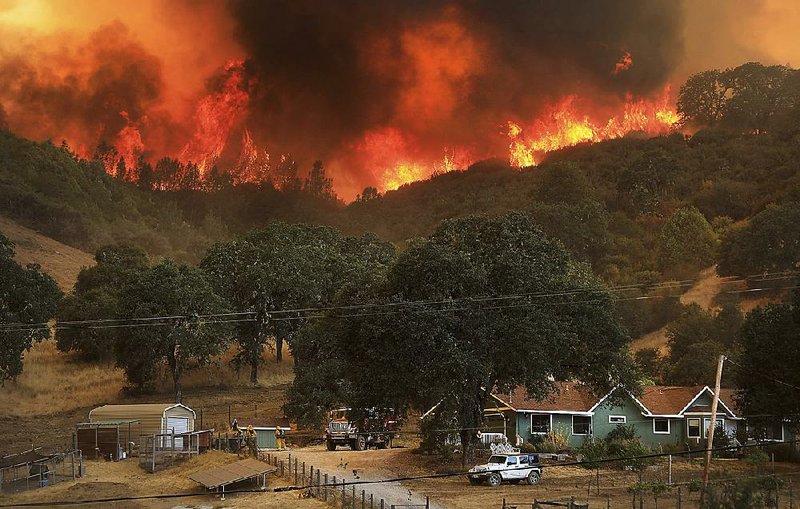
point(728, 396)
point(568, 397)
point(573, 397)
point(668, 400)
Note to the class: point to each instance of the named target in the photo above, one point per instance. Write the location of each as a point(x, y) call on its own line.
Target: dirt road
point(371, 465)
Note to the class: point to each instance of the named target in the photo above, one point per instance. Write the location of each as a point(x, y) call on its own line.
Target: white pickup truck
point(513, 468)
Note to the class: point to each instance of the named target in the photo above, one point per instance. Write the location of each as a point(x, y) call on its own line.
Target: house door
point(178, 425)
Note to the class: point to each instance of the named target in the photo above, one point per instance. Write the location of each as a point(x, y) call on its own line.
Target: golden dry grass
point(125, 478)
point(59, 260)
point(53, 382)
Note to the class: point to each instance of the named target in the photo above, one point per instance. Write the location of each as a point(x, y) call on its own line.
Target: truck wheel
point(360, 443)
point(331, 445)
point(495, 480)
point(533, 478)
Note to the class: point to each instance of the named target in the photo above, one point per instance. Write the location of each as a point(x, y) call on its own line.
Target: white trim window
point(693, 427)
point(661, 426)
point(707, 422)
point(581, 425)
point(617, 419)
point(541, 424)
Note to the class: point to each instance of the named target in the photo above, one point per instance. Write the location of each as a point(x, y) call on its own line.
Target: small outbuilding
point(146, 419)
point(265, 430)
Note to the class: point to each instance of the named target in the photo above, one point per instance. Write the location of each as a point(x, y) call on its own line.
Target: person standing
point(280, 438)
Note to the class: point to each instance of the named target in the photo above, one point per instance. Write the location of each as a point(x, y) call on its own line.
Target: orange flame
point(563, 126)
point(214, 116)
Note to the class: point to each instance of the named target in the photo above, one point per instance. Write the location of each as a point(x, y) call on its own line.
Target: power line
point(112, 322)
point(759, 373)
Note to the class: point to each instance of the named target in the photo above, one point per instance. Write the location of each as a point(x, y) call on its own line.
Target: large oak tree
point(28, 298)
point(481, 304)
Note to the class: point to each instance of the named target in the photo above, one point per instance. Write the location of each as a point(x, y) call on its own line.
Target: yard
point(558, 482)
point(126, 479)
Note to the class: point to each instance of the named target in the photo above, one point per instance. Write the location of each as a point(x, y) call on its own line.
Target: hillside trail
point(703, 292)
point(371, 465)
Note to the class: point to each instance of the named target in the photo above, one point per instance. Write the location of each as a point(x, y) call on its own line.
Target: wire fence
point(337, 492)
point(29, 472)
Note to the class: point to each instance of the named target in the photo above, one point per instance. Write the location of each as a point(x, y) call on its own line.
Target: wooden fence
point(335, 491)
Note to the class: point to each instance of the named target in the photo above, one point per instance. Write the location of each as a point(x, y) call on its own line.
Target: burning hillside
point(385, 94)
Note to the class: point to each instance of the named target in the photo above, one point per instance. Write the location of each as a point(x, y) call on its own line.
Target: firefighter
point(280, 438)
point(251, 439)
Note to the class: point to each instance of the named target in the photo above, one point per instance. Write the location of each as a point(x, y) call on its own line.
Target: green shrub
point(592, 451)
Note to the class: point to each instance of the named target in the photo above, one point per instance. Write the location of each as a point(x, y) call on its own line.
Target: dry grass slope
point(59, 260)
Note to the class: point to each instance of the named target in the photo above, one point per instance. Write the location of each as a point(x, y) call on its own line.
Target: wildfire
point(625, 62)
point(214, 117)
point(563, 125)
point(129, 145)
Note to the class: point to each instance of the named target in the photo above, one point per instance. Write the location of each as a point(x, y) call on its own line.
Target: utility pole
point(713, 424)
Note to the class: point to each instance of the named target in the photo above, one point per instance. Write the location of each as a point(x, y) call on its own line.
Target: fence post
point(791, 495)
point(72, 461)
point(325, 490)
point(371, 501)
point(318, 484)
point(670, 470)
point(363, 500)
point(679, 497)
point(281, 468)
point(608, 501)
point(504, 502)
point(354, 497)
point(382, 504)
point(427, 502)
point(311, 478)
point(303, 478)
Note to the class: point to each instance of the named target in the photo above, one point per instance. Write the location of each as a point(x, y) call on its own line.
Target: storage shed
point(153, 418)
point(265, 430)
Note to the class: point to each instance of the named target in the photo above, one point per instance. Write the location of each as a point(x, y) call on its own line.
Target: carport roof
point(231, 473)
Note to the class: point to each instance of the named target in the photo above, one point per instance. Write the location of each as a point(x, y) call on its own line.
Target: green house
point(661, 415)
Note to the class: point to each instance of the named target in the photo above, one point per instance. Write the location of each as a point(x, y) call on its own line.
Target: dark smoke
point(88, 96)
point(317, 92)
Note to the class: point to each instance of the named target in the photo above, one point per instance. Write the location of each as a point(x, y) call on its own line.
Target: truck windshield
point(498, 459)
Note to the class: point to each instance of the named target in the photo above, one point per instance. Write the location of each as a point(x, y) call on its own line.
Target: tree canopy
point(770, 353)
point(27, 296)
point(97, 295)
point(482, 303)
point(169, 289)
point(289, 267)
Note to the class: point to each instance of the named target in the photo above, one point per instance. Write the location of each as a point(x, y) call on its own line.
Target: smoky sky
point(329, 71)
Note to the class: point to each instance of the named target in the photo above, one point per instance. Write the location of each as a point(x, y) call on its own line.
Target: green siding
point(642, 424)
point(559, 422)
point(265, 438)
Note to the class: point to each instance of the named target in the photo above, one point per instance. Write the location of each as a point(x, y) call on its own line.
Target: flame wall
point(383, 92)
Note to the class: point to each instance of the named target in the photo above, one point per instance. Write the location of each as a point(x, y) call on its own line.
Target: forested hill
point(613, 203)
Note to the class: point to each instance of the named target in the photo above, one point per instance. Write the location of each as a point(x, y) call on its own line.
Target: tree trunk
point(279, 349)
point(174, 367)
point(254, 371)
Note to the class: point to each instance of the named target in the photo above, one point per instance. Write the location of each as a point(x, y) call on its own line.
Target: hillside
point(61, 261)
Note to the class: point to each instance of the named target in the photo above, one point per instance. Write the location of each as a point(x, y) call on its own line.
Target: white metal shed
point(153, 418)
